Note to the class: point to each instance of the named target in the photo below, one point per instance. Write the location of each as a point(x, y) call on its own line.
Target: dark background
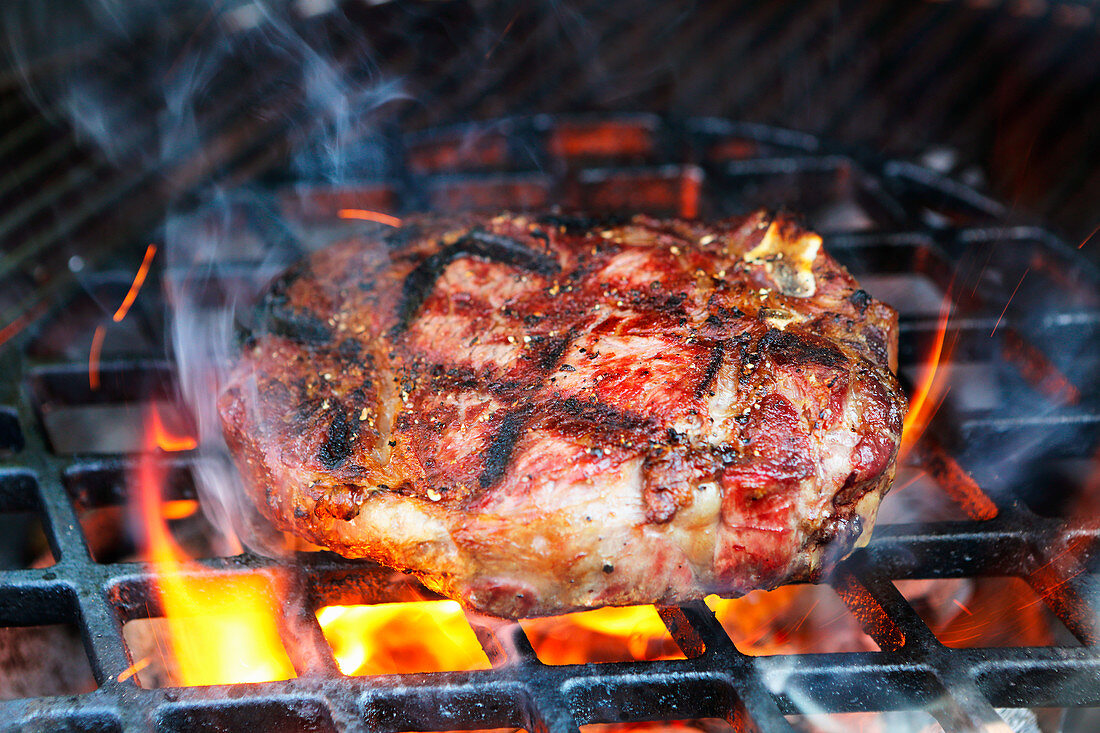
point(1002, 94)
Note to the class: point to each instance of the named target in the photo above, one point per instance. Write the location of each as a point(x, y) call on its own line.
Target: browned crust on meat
point(540, 414)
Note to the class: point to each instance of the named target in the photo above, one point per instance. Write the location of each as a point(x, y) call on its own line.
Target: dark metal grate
point(884, 220)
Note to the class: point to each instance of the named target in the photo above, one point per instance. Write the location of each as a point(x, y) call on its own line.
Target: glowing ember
point(220, 630)
point(956, 482)
point(401, 638)
point(968, 613)
point(365, 215)
point(135, 286)
point(120, 313)
point(93, 357)
point(631, 633)
point(792, 619)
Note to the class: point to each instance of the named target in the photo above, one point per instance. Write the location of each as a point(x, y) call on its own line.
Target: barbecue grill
point(1002, 448)
point(1002, 533)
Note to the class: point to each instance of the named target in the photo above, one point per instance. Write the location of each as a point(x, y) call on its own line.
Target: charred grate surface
point(892, 224)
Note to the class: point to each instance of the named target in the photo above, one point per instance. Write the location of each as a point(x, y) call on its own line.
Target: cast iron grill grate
point(894, 225)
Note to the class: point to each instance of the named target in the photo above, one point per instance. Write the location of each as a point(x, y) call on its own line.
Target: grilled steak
point(539, 414)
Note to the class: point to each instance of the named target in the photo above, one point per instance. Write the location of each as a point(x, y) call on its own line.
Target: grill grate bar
point(960, 687)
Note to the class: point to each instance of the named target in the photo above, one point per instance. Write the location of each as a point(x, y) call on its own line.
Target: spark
point(981, 274)
point(12, 329)
point(1079, 546)
point(134, 669)
point(806, 616)
point(93, 356)
point(910, 482)
point(1090, 236)
point(959, 639)
point(502, 35)
point(135, 286)
point(959, 603)
point(998, 323)
point(365, 215)
point(1052, 589)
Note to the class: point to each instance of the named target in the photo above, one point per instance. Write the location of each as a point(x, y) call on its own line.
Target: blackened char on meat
point(542, 414)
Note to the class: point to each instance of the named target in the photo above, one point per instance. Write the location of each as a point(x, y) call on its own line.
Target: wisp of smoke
point(171, 93)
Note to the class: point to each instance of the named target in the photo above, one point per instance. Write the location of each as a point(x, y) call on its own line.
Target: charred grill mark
point(300, 326)
point(275, 315)
point(717, 354)
point(282, 284)
point(573, 410)
point(510, 251)
point(456, 377)
point(337, 444)
point(418, 284)
point(350, 348)
point(787, 348)
point(553, 351)
point(485, 245)
point(860, 299)
point(671, 305)
point(500, 449)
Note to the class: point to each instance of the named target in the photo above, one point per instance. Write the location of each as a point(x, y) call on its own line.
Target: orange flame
point(932, 387)
point(1000, 611)
point(165, 439)
point(366, 215)
point(179, 509)
point(790, 619)
point(631, 633)
point(135, 286)
point(401, 638)
point(221, 630)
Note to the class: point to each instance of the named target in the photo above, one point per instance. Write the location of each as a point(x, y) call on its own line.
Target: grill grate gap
point(43, 661)
point(968, 613)
point(632, 633)
point(882, 216)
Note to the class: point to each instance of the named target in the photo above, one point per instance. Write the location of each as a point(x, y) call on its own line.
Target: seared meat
point(539, 414)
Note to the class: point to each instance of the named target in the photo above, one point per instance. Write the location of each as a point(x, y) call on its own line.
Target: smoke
point(196, 101)
point(224, 251)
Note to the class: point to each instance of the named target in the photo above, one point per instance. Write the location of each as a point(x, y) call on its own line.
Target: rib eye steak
point(541, 414)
